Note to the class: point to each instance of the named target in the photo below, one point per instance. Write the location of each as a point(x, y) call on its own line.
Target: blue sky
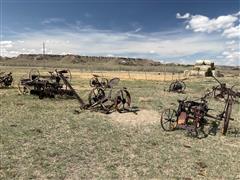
point(164, 30)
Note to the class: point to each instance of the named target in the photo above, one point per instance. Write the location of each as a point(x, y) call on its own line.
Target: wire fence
point(132, 75)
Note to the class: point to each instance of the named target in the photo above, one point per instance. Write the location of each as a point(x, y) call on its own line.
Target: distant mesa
point(75, 59)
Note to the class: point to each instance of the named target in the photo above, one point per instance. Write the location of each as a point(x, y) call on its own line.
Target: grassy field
point(47, 139)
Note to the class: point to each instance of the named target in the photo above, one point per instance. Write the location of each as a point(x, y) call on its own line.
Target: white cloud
point(138, 29)
point(232, 32)
point(200, 23)
point(98, 42)
point(52, 20)
point(227, 25)
point(6, 44)
point(237, 14)
point(232, 55)
point(232, 52)
point(185, 16)
point(21, 41)
point(230, 42)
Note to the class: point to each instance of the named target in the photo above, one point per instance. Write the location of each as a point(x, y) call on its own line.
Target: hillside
point(75, 59)
point(89, 62)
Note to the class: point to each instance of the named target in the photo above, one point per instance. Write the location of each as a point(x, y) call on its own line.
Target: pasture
point(53, 139)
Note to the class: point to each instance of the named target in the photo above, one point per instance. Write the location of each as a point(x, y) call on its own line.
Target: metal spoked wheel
point(92, 82)
point(177, 86)
point(96, 95)
point(171, 86)
point(34, 73)
point(104, 83)
point(122, 101)
point(23, 89)
point(95, 82)
point(168, 120)
point(113, 82)
point(68, 75)
point(183, 85)
point(227, 117)
point(7, 82)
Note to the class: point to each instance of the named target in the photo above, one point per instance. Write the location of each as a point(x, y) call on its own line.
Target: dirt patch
point(143, 117)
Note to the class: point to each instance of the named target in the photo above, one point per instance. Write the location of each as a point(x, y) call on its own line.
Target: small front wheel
point(96, 95)
point(122, 101)
point(168, 120)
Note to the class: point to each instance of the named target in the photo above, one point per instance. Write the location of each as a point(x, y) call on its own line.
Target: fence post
point(145, 75)
point(164, 73)
point(129, 75)
point(172, 76)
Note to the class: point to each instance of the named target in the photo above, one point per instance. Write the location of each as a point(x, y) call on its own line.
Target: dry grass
point(45, 139)
point(124, 75)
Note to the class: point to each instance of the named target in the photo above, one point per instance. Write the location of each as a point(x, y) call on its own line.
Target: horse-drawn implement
point(46, 86)
point(221, 91)
point(193, 115)
point(6, 79)
point(177, 86)
point(103, 97)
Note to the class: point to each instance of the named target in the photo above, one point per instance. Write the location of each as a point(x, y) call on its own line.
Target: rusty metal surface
point(221, 91)
point(6, 79)
point(46, 86)
point(192, 115)
point(178, 86)
point(104, 98)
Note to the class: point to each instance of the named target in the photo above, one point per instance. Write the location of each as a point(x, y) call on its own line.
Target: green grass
point(46, 139)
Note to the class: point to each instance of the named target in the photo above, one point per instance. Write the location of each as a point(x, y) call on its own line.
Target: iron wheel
point(168, 120)
point(122, 101)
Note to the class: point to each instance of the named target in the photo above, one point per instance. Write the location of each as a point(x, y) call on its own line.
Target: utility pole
point(43, 54)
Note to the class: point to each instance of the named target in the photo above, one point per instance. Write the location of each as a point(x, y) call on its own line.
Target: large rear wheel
point(122, 101)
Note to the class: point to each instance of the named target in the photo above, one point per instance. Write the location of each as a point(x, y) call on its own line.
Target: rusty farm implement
point(45, 86)
point(6, 79)
point(103, 97)
point(221, 91)
point(178, 86)
point(193, 115)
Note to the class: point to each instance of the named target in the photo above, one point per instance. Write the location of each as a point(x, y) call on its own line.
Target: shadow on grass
point(234, 132)
point(4, 87)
